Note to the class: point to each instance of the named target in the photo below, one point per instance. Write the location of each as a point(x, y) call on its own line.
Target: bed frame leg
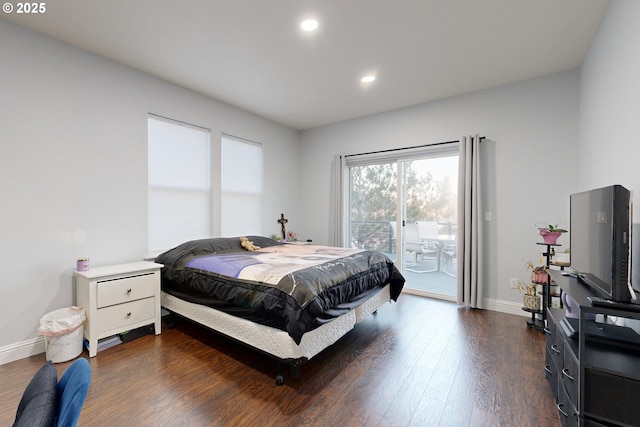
point(171, 320)
point(280, 376)
point(295, 370)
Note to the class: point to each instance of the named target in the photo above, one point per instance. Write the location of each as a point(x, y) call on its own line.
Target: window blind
point(241, 192)
point(179, 183)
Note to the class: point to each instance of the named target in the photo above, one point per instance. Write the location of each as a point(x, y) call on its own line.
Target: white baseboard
point(21, 350)
point(508, 307)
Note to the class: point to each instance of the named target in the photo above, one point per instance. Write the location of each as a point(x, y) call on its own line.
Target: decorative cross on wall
point(282, 222)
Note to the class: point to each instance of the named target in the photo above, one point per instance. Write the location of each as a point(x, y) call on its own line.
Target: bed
point(290, 301)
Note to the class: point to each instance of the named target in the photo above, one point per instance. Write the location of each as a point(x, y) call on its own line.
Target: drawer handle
point(559, 406)
point(555, 348)
point(129, 291)
point(547, 370)
point(547, 331)
point(565, 372)
point(129, 314)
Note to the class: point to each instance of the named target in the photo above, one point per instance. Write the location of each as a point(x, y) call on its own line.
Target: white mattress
point(274, 341)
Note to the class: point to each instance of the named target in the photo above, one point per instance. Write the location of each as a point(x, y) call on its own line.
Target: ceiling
point(252, 54)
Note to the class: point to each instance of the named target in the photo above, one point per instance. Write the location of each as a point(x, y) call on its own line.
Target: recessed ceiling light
point(309, 24)
point(368, 78)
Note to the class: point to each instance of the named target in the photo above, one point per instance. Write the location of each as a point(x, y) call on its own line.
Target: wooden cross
point(282, 222)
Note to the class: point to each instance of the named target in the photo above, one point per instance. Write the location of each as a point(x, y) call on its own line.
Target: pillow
point(210, 246)
point(174, 259)
point(37, 408)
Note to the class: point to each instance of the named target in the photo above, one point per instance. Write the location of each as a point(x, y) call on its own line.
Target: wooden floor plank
point(419, 362)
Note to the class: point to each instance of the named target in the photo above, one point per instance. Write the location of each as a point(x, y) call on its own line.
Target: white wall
point(609, 109)
point(73, 133)
point(532, 132)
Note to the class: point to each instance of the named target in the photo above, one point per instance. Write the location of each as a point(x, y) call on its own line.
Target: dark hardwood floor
point(418, 362)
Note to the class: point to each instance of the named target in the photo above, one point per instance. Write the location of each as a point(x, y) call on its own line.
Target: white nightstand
point(119, 298)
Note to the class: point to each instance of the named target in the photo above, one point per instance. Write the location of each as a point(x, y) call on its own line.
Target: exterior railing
point(380, 235)
point(373, 236)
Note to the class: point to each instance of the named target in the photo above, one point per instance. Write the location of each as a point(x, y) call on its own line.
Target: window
point(241, 195)
point(179, 180)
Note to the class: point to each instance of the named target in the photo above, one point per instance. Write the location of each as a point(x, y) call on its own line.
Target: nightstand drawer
point(121, 315)
point(126, 288)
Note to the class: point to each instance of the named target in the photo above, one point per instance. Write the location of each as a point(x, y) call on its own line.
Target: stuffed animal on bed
point(248, 244)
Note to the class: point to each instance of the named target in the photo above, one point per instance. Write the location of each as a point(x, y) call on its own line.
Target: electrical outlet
point(513, 283)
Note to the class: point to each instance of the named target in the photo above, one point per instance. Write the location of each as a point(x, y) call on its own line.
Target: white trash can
point(63, 332)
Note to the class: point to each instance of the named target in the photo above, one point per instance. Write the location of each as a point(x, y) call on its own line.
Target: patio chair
point(421, 249)
point(449, 254)
point(428, 229)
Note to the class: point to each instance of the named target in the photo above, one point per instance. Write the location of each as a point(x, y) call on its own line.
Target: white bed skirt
point(273, 341)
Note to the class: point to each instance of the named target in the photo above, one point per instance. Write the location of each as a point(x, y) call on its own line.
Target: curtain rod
point(390, 150)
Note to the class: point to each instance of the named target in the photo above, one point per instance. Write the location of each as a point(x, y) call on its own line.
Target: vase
point(532, 302)
point(550, 237)
point(539, 277)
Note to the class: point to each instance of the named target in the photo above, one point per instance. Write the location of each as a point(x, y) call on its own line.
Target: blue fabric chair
point(71, 391)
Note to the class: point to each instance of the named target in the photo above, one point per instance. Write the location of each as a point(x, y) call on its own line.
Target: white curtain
point(337, 225)
point(470, 218)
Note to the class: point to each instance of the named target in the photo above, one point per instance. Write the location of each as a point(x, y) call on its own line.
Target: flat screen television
point(600, 241)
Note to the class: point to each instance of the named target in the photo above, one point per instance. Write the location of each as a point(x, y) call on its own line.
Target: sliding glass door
point(406, 207)
point(429, 204)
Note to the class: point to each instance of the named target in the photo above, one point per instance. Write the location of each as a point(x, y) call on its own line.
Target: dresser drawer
point(555, 346)
point(568, 414)
point(551, 373)
point(121, 315)
point(126, 288)
point(550, 334)
point(569, 375)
